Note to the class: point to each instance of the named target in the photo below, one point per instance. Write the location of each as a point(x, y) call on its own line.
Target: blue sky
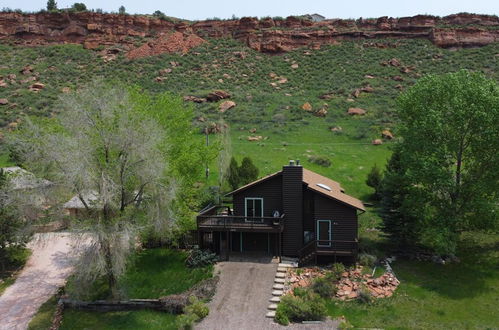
point(226, 8)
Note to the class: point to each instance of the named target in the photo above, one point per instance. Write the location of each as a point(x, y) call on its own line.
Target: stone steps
point(279, 280)
point(277, 293)
point(280, 275)
point(287, 265)
point(272, 307)
point(282, 269)
point(275, 299)
point(278, 287)
point(270, 314)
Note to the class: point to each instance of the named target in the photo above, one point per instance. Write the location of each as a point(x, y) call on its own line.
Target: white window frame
point(246, 207)
point(330, 233)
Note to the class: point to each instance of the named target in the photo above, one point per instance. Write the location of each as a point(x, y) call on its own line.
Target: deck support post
point(227, 242)
point(200, 239)
point(279, 247)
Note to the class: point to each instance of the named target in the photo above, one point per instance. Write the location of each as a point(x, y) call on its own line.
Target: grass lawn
point(8, 276)
point(464, 295)
point(153, 273)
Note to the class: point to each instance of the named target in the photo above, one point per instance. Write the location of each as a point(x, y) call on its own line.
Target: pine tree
point(122, 10)
point(374, 180)
point(51, 5)
point(248, 172)
point(398, 223)
point(233, 174)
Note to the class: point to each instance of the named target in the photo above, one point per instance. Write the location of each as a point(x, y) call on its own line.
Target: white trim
point(246, 207)
point(318, 234)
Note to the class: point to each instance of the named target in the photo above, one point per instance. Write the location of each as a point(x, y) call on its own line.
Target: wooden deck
point(327, 248)
point(240, 223)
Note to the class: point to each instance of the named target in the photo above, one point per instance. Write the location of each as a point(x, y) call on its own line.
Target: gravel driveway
point(46, 271)
point(242, 298)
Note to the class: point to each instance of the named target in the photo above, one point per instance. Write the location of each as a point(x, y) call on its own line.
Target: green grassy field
point(8, 276)
point(430, 296)
point(152, 274)
point(461, 295)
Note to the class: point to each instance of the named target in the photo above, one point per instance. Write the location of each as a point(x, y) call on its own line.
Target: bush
point(365, 296)
point(197, 307)
point(337, 269)
point(320, 160)
point(186, 321)
point(323, 287)
point(367, 259)
point(309, 307)
point(200, 258)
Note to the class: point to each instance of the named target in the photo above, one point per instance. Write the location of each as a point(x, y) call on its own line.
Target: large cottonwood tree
point(124, 147)
point(450, 151)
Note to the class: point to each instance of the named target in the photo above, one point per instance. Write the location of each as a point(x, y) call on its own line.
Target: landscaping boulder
point(66, 90)
point(294, 66)
point(377, 142)
point(398, 78)
point(255, 138)
point(217, 96)
point(195, 99)
point(356, 93)
point(321, 113)
point(226, 105)
point(356, 112)
point(307, 106)
point(336, 129)
point(367, 89)
point(394, 62)
point(164, 72)
point(27, 70)
point(386, 134)
point(4, 101)
point(37, 87)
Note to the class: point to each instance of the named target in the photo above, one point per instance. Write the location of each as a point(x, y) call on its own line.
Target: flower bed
point(349, 284)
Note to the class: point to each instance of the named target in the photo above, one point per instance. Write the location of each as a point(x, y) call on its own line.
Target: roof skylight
point(323, 186)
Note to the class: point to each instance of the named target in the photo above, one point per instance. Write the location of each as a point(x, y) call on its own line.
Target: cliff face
point(265, 35)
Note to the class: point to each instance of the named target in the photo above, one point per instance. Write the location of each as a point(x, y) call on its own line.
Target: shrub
point(323, 287)
point(367, 259)
point(186, 321)
point(337, 269)
point(320, 160)
point(200, 258)
point(281, 316)
point(300, 292)
point(365, 296)
point(197, 307)
point(309, 307)
point(374, 178)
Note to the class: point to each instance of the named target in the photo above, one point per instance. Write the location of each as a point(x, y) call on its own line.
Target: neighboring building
point(315, 17)
point(294, 212)
point(21, 181)
point(75, 207)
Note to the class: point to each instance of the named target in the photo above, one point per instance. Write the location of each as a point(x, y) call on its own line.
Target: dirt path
point(242, 298)
point(46, 271)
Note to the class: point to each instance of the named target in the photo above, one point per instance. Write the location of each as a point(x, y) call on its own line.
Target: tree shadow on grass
point(466, 279)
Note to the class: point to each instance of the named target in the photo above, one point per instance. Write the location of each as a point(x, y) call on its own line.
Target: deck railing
point(338, 247)
point(227, 222)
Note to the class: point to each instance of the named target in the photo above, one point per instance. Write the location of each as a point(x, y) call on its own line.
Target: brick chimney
point(292, 201)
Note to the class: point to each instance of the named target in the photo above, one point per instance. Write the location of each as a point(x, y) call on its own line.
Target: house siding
point(344, 219)
point(270, 191)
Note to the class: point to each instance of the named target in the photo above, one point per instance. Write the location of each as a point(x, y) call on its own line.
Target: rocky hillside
point(266, 35)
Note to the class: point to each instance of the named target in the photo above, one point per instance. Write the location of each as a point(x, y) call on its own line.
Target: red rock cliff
point(266, 35)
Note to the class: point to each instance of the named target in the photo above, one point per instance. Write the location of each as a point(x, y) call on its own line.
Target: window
point(253, 208)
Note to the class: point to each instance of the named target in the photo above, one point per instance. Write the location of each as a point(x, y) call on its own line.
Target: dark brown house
point(294, 212)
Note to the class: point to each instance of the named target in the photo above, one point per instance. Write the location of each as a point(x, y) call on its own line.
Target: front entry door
point(324, 232)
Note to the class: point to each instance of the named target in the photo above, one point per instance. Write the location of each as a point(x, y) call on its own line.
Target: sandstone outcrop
point(266, 35)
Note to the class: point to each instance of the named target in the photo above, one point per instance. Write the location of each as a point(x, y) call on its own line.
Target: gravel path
point(242, 298)
point(46, 271)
